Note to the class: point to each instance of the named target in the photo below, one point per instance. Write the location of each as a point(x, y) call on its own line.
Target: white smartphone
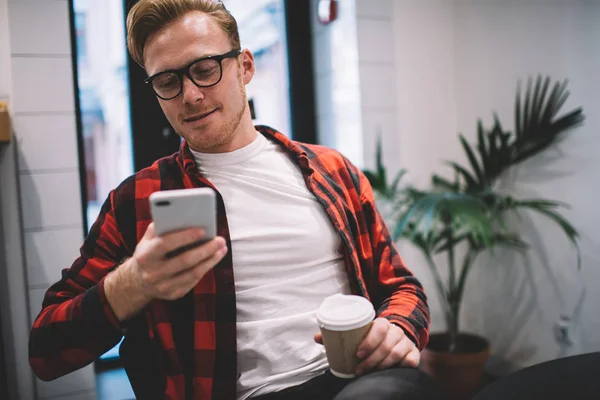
point(174, 210)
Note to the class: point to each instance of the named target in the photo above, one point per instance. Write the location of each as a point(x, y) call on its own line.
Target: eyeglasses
point(203, 72)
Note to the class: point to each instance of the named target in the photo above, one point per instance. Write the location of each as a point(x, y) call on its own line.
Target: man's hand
point(385, 346)
point(149, 274)
point(170, 279)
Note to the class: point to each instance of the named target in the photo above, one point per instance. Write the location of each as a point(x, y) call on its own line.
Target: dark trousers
point(390, 384)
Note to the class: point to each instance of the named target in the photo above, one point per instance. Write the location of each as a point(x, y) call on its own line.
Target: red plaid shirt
point(76, 324)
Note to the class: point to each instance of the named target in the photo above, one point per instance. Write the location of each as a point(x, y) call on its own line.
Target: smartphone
point(174, 210)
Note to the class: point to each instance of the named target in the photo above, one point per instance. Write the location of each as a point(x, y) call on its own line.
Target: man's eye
point(165, 81)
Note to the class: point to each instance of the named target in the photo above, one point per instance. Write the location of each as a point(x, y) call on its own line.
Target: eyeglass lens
point(203, 73)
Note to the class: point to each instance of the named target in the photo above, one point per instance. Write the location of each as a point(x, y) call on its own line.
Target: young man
point(235, 317)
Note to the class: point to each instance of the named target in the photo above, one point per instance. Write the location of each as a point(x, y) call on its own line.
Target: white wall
point(4, 52)
point(13, 293)
point(354, 68)
point(460, 60)
point(41, 205)
point(377, 73)
point(338, 91)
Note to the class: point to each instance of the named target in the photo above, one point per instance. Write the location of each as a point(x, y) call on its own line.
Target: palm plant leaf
point(501, 239)
point(547, 208)
point(537, 125)
point(509, 240)
point(486, 149)
point(381, 172)
point(498, 155)
point(479, 177)
point(378, 178)
point(427, 210)
point(393, 188)
point(423, 242)
point(541, 88)
point(556, 99)
point(444, 184)
point(461, 171)
point(525, 121)
point(374, 180)
point(446, 244)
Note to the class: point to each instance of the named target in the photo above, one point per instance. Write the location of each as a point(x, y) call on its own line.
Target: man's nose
point(191, 92)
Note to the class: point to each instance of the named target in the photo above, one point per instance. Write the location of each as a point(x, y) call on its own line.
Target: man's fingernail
point(360, 354)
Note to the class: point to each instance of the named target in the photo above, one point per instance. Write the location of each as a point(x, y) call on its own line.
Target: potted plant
point(457, 220)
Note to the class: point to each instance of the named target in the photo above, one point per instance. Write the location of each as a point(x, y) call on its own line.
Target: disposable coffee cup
point(344, 321)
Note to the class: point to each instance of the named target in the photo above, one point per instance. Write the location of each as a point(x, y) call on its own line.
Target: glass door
point(263, 31)
point(103, 86)
point(104, 98)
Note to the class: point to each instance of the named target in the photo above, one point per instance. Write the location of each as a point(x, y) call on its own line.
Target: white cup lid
point(344, 312)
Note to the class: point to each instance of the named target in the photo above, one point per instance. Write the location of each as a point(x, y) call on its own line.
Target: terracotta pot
point(459, 374)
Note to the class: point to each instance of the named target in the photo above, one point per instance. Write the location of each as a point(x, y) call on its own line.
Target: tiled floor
point(113, 385)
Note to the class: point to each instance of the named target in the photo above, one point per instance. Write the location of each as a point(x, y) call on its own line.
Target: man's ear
point(247, 64)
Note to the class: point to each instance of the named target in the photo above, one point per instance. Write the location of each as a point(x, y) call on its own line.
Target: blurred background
point(346, 74)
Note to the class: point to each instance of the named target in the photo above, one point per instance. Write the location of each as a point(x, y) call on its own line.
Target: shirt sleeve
point(395, 289)
point(76, 324)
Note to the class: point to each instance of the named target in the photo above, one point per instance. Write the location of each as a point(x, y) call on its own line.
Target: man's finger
point(374, 337)
point(174, 240)
point(181, 283)
point(413, 359)
point(150, 232)
point(318, 338)
point(379, 354)
point(185, 261)
point(196, 255)
point(397, 354)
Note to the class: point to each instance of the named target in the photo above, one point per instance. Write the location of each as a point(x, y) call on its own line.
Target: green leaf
point(379, 161)
point(540, 103)
point(527, 109)
point(469, 179)
point(534, 112)
point(560, 101)
point(537, 124)
point(544, 207)
point(473, 161)
point(447, 244)
point(484, 155)
point(443, 184)
point(393, 189)
point(518, 121)
point(539, 203)
point(375, 181)
point(572, 120)
point(510, 240)
point(550, 109)
point(402, 224)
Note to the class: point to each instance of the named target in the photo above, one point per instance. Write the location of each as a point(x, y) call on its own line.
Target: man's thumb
point(318, 338)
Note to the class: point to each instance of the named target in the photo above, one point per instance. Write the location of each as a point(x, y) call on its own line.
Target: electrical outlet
point(563, 331)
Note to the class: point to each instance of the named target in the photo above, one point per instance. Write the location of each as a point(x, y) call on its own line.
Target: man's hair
point(147, 17)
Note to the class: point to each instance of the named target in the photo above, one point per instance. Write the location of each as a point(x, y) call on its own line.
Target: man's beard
point(227, 132)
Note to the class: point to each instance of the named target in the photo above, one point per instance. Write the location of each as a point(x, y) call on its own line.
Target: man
point(235, 317)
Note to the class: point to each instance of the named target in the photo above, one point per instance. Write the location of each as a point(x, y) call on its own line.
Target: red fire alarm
point(328, 10)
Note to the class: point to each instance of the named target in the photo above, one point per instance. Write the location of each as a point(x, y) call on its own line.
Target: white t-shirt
point(286, 259)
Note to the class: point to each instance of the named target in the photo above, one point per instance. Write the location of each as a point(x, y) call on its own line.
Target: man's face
point(207, 118)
